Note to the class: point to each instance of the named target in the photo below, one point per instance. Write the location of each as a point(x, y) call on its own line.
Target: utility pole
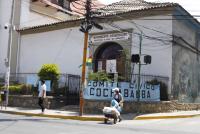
point(9, 51)
point(86, 25)
point(83, 72)
point(139, 68)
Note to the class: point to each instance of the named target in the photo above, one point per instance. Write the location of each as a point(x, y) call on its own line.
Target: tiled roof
point(131, 5)
point(78, 6)
point(49, 3)
point(123, 6)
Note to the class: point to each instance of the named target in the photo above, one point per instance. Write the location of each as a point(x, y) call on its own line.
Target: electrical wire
point(153, 38)
point(167, 47)
point(195, 50)
point(62, 45)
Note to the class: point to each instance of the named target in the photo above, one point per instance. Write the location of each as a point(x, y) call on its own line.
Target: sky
point(192, 6)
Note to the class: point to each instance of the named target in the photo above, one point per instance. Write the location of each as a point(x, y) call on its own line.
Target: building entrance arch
point(110, 57)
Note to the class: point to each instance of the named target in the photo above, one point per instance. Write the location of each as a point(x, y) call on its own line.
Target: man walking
point(42, 95)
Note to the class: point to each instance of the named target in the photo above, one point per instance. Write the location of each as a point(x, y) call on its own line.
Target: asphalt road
point(13, 124)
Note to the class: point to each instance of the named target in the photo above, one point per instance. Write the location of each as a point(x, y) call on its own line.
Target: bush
point(99, 76)
point(163, 89)
point(49, 72)
point(21, 89)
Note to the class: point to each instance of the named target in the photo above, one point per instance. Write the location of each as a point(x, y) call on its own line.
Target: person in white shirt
point(42, 95)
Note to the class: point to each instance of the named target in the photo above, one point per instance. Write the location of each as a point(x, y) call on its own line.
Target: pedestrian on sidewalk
point(42, 95)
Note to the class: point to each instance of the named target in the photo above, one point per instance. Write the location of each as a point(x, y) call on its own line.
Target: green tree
point(50, 72)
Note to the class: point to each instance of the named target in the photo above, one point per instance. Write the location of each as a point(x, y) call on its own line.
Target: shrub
point(99, 76)
point(20, 89)
point(163, 89)
point(49, 72)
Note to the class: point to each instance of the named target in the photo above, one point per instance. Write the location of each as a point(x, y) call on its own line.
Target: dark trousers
point(41, 103)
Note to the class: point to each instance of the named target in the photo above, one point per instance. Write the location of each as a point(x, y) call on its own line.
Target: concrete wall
point(92, 106)
point(185, 62)
point(30, 18)
point(37, 13)
point(5, 13)
point(55, 47)
point(62, 47)
point(156, 44)
point(27, 101)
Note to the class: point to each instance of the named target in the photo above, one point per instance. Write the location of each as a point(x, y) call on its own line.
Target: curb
point(165, 117)
point(81, 118)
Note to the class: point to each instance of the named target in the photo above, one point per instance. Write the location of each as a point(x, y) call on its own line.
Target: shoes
point(120, 118)
point(41, 113)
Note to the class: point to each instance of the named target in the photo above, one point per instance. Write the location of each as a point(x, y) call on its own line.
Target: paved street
point(13, 124)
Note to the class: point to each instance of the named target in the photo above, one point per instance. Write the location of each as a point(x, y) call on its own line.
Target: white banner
point(97, 90)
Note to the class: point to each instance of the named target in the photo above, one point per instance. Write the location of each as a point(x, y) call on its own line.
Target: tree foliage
point(49, 72)
point(99, 76)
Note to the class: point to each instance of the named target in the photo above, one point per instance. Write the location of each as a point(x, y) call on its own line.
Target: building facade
point(171, 41)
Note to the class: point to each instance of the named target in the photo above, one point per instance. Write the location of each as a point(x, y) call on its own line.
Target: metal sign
point(97, 90)
point(109, 37)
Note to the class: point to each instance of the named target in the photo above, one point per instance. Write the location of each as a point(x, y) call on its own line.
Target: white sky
point(192, 6)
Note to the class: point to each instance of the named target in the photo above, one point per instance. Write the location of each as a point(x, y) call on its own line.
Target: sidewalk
point(172, 115)
point(52, 114)
point(74, 115)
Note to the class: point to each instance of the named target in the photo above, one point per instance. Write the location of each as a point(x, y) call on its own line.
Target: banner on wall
point(97, 90)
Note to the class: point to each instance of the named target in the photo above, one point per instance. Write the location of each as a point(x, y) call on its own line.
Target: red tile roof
point(131, 5)
point(78, 6)
point(122, 7)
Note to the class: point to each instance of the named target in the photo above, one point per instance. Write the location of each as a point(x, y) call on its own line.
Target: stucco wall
point(5, 15)
point(30, 18)
point(49, 47)
point(5, 12)
point(62, 47)
point(185, 63)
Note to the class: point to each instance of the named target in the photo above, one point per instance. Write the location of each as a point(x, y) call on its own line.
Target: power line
point(145, 36)
point(62, 44)
point(190, 47)
point(167, 47)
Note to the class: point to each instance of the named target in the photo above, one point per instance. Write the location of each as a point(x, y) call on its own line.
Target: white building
point(171, 40)
point(27, 13)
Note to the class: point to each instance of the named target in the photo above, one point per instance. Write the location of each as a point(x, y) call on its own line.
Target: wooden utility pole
point(83, 72)
point(86, 26)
